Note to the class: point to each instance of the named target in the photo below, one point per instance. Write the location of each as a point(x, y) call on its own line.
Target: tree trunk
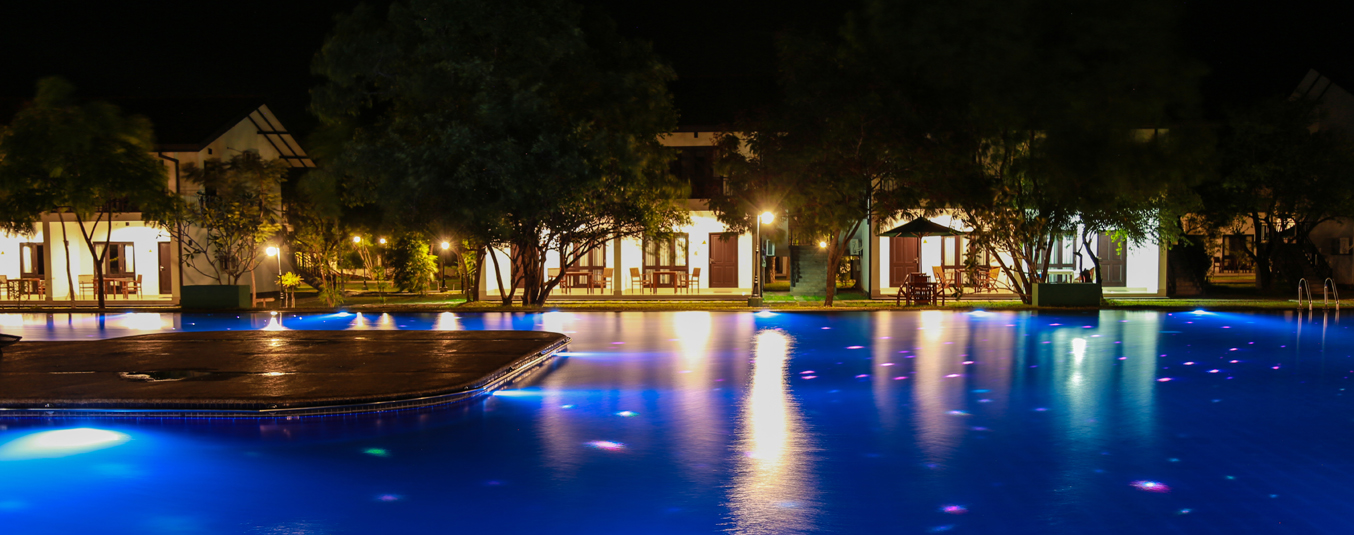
point(498, 276)
point(98, 260)
point(834, 260)
point(66, 244)
point(1095, 260)
point(253, 290)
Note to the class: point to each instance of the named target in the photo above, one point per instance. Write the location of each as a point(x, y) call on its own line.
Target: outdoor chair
point(694, 280)
point(551, 273)
point(944, 282)
point(87, 282)
point(4, 285)
point(637, 280)
point(605, 281)
point(133, 286)
point(990, 281)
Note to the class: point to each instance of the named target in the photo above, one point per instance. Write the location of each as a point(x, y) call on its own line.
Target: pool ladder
point(1327, 290)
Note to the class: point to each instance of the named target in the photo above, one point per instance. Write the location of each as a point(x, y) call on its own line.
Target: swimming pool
point(699, 422)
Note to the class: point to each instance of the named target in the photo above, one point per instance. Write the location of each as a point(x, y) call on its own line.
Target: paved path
point(256, 373)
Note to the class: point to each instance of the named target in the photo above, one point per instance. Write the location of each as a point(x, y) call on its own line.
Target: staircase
point(808, 270)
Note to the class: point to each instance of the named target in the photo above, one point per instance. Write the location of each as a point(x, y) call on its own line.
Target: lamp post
point(273, 251)
point(442, 274)
point(760, 261)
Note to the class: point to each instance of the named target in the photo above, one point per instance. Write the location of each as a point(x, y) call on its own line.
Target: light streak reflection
point(772, 491)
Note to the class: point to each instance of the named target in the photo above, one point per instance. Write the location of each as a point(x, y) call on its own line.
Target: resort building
point(704, 260)
point(145, 264)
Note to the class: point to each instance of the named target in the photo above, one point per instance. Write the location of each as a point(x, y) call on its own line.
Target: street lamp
point(357, 240)
point(383, 241)
point(274, 251)
point(442, 275)
point(760, 264)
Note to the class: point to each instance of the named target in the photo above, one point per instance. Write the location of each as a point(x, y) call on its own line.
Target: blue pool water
point(699, 422)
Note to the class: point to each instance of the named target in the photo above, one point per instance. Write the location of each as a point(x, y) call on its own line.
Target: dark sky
point(264, 47)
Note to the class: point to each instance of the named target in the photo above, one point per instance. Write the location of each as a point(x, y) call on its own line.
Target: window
point(668, 254)
point(1062, 257)
point(119, 260)
point(696, 167)
point(31, 261)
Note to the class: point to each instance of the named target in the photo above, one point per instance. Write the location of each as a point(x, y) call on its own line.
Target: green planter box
point(216, 296)
point(1076, 294)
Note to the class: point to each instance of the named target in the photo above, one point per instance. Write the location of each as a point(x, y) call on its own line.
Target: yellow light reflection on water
point(447, 321)
point(771, 492)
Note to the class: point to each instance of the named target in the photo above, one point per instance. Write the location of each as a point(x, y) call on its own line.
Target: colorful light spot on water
point(939, 529)
point(627, 414)
point(1184, 511)
point(899, 378)
point(958, 413)
point(1054, 324)
point(1040, 409)
point(978, 428)
point(1163, 379)
point(389, 498)
point(887, 364)
point(607, 445)
point(376, 452)
point(967, 362)
point(1150, 486)
point(1190, 363)
point(954, 375)
point(984, 400)
point(566, 406)
point(826, 328)
point(808, 377)
point(953, 509)
point(1123, 358)
point(862, 376)
point(1212, 371)
point(1233, 361)
point(1273, 367)
point(855, 347)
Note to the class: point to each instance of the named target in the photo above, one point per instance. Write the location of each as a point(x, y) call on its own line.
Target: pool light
point(607, 445)
point(1150, 486)
point(60, 443)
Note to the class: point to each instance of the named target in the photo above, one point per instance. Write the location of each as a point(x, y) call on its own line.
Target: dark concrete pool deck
point(264, 373)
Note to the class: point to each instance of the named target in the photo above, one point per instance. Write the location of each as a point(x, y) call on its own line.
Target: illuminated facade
point(187, 131)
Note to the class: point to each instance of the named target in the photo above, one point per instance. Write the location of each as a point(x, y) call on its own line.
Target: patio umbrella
point(921, 227)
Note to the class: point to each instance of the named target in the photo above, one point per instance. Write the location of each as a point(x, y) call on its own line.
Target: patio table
point(672, 278)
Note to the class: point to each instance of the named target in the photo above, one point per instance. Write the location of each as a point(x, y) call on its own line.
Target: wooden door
point(1113, 261)
point(723, 260)
point(904, 258)
point(166, 270)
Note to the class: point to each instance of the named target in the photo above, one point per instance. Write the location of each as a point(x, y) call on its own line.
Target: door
point(723, 260)
point(904, 258)
point(1113, 262)
point(166, 271)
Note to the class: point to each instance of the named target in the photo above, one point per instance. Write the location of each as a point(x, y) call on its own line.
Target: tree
point(523, 124)
point(1034, 112)
point(238, 209)
point(821, 156)
point(411, 264)
point(87, 160)
point(1280, 179)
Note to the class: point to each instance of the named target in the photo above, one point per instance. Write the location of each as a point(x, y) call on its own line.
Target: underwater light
point(47, 444)
point(1200, 312)
point(765, 314)
point(978, 313)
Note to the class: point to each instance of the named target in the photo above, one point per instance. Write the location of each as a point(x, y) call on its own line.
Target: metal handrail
point(1302, 284)
point(1331, 284)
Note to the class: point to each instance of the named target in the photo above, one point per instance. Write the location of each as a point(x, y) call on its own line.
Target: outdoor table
point(572, 279)
point(23, 287)
point(672, 277)
point(113, 285)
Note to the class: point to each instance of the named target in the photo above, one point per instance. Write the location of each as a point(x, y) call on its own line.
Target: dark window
point(696, 166)
point(31, 261)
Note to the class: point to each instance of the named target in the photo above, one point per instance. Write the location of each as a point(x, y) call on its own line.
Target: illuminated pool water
point(696, 422)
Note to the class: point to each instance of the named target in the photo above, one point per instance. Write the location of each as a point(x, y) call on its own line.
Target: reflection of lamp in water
point(770, 494)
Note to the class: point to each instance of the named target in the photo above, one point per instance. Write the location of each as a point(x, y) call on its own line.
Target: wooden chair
point(4, 285)
point(990, 282)
point(638, 280)
point(87, 282)
point(694, 280)
point(940, 277)
point(605, 281)
point(132, 286)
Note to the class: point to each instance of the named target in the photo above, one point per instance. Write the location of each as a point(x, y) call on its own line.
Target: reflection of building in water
point(939, 385)
point(698, 422)
point(1098, 399)
point(772, 492)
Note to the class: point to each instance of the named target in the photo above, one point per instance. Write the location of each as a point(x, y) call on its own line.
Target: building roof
point(189, 124)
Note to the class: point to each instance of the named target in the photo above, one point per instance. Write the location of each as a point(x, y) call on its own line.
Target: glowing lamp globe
point(271, 251)
point(767, 218)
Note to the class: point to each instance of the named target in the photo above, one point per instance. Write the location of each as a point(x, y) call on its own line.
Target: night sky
point(721, 50)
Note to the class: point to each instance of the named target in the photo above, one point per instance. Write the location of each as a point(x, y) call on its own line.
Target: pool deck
point(264, 373)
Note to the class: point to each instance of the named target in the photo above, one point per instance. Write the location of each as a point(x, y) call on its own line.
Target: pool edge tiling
point(253, 373)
